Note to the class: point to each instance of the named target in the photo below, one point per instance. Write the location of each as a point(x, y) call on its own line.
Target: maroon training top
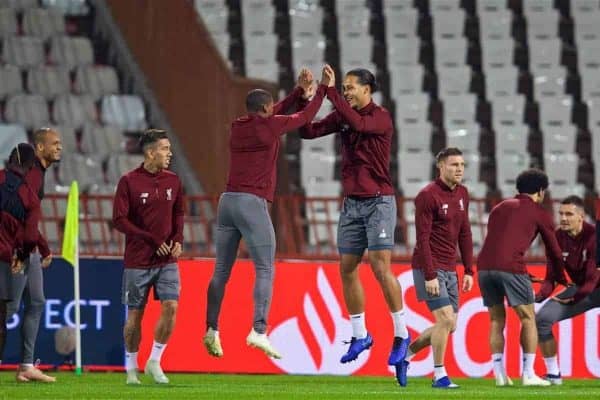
point(579, 255)
point(254, 145)
point(442, 221)
point(15, 234)
point(512, 226)
point(366, 145)
point(148, 209)
point(35, 179)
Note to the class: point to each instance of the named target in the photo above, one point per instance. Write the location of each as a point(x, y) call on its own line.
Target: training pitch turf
point(233, 387)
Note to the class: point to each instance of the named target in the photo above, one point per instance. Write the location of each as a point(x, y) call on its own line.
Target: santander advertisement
point(308, 324)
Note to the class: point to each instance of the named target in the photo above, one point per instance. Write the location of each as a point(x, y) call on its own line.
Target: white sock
point(399, 324)
point(498, 364)
point(26, 365)
point(131, 362)
point(157, 351)
point(439, 372)
point(552, 365)
point(409, 354)
point(528, 360)
point(359, 328)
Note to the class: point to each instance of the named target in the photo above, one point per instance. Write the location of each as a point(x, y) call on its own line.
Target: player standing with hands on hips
point(148, 209)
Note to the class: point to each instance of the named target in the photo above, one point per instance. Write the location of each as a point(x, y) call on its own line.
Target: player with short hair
point(512, 226)
point(29, 285)
point(243, 207)
point(148, 209)
point(19, 217)
point(577, 239)
point(368, 215)
point(442, 222)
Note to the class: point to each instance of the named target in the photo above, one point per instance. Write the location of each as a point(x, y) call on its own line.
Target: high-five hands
point(328, 76)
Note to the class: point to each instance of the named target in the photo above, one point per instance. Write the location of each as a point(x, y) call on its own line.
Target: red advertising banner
point(308, 323)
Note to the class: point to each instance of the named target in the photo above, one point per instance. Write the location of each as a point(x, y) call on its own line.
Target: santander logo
point(298, 358)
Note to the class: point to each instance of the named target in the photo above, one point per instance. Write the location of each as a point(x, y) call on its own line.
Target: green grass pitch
point(234, 387)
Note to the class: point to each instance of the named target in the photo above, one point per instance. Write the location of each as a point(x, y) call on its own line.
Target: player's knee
point(12, 308)
point(169, 309)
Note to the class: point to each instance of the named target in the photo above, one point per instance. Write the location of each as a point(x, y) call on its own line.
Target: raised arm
point(423, 223)
point(304, 81)
point(121, 215)
point(285, 123)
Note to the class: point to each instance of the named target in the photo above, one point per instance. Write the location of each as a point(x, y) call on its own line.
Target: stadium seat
point(305, 21)
point(74, 110)
point(454, 81)
point(531, 7)
point(195, 231)
point(102, 140)
point(403, 52)
point(19, 5)
point(497, 53)
point(511, 139)
point(411, 189)
point(71, 52)
point(355, 22)
point(501, 82)
point(559, 191)
point(124, 111)
point(400, 24)
point(68, 138)
point(316, 166)
point(10, 136)
point(414, 167)
point(323, 144)
point(29, 110)
point(509, 166)
point(459, 110)
point(23, 51)
point(561, 168)
point(412, 109)
point(472, 168)
point(579, 7)
point(549, 82)
point(555, 111)
point(258, 17)
point(307, 51)
point(449, 24)
point(465, 136)
point(406, 80)
point(96, 81)
point(43, 23)
point(444, 6)
point(490, 6)
point(8, 22)
point(119, 164)
point(586, 27)
point(214, 14)
point(495, 25)
point(86, 170)
point(414, 137)
point(508, 111)
point(10, 81)
point(73, 8)
point(559, 139)
point(450, 52)
point(49, 81)
point(544, 54)
point(542, 25)
point(355, 48)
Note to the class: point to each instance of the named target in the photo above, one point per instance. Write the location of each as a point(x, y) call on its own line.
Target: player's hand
point(330, 73)
point(568, 300)
point(164, 249)
point(176, 250)
point(16, 265)
point(545, 291)
point(46, 261)
point(432, 287)
point(467, 283)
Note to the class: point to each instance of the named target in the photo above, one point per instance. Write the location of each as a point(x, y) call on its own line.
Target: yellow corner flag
point(71, 236)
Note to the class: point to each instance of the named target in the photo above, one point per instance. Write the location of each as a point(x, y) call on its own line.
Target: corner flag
point(70, 252)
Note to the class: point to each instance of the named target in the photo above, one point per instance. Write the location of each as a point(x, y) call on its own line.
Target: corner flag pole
point(70, 252)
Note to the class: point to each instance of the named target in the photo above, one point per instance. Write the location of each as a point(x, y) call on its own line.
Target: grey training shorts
point(137, 284)
point(367, 223)
point(496, 285)
point(448, 289)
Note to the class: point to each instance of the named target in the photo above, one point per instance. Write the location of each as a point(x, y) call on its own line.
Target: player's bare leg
point(497, 323)
point(445, 323)
point(132, 334)
point(529, 340)
point(162, 333)
point(354, 296)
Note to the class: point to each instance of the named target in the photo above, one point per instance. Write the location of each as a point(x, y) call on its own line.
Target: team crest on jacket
point(461, 204)
point(169, 193)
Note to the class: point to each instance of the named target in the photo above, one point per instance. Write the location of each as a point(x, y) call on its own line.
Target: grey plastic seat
point(403, 51)
point(406, 80)
point(8, 22)
point(414, 137)
point(501, 82)
point(316, 166)
point(508, 111)
point(49, 81)
point(101, 140)
point(414, 167)
point(23, 51)
point(412, 108)
point(71, 52)
point(454, 81)
point(68, 7)
point(124, 111)
point(449, 24)
point(10, 136)
point(29, 110)
point(10, 81)
point(119, 164)
point(96, 81)
point(74, 110)
point(43, 23)
point(549, 82)
point(19, 5)
point(559, 139)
